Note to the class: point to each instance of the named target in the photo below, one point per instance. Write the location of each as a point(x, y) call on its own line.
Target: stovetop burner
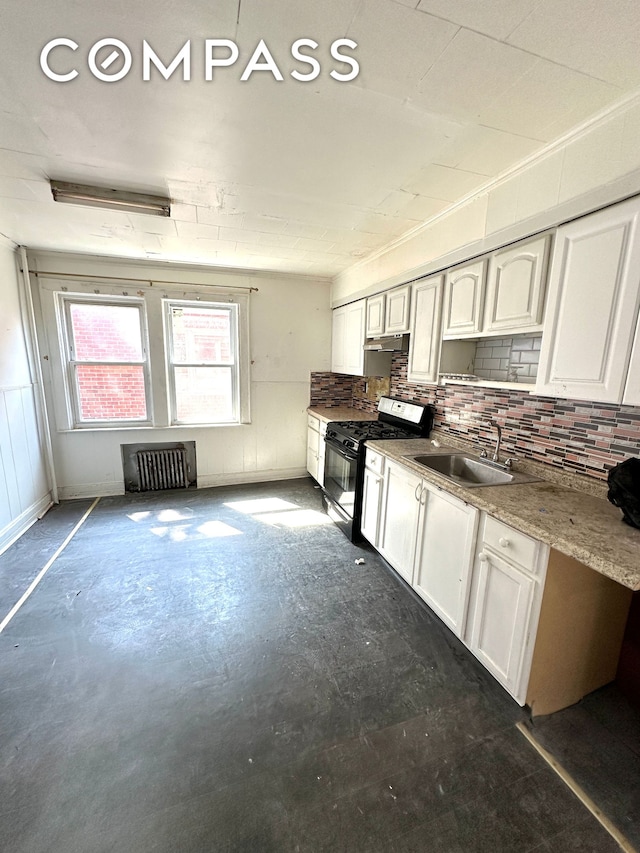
point(367, 430)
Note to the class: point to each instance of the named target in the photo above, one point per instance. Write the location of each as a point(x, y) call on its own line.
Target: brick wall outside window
point(108, 333)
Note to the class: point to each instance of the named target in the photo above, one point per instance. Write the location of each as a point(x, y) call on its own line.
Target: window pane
point(204, 395)
point(201, 335)
point(111, 392)
point(106, 332)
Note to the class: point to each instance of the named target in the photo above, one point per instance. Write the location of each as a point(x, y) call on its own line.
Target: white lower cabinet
point(399, 516)
point(428, 536)
point(371, 494)
point(315, 448)
point(446, 541)
point(527, 612)
point(501, 613)
point(480, 576)
point(504, 605)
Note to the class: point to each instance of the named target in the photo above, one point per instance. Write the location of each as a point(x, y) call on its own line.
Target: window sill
point(148, 428)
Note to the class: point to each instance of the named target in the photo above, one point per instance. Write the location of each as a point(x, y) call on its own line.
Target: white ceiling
point(291, 176)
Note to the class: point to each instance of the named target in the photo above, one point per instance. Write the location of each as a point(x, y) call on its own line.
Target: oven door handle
point(345, 455)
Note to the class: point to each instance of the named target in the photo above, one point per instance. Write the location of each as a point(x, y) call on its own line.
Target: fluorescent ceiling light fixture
point(129, 202)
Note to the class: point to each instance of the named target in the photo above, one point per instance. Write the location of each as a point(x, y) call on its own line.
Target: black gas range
point(345, 452)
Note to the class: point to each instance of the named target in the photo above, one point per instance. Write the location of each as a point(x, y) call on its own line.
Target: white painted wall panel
point(24, 491)
point(290, 336)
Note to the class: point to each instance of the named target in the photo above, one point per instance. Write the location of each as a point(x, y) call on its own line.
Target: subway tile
point(522, 343)
point(500, 352)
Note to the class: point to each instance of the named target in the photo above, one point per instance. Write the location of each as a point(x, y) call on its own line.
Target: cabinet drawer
point(313, 422)
point(511, 544)
point(374, 461)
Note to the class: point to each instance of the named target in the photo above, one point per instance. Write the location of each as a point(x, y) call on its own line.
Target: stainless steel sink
point(470, 471)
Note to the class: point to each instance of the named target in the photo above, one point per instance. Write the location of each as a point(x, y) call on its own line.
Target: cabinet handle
point(423, 494)
point(483, 558)
point(504, 542)
point(418, 496)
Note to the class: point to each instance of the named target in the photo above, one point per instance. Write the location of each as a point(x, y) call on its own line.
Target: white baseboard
point(23, 522)
point(206, 481)
point(90, 490)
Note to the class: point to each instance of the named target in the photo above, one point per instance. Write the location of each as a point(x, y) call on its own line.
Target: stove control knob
point(349, 443)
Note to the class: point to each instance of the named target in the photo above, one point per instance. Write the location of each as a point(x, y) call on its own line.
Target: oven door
point(340, 476)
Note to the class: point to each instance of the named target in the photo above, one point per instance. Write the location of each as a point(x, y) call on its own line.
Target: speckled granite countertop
point(341, 413)
point(581, 525)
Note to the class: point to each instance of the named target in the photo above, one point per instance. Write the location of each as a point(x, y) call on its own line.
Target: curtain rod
point(45, 273)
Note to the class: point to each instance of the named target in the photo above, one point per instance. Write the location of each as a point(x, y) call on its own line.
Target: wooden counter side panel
point(580, 631)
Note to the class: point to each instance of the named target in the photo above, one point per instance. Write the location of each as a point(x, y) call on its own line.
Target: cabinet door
point(445, 556)
point(338, 339)
point(632, 388)
point(313, 446)
point(399, 518)
point(500, 616)
point(371, 492)
point(592, 306)
point(425, 342)
point(463, 300)
point(375, 316)
point(396, 316)
point(354, 337)
point(515, 287)
point(348, 335)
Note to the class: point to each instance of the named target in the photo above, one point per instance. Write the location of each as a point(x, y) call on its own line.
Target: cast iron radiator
point(162, 469)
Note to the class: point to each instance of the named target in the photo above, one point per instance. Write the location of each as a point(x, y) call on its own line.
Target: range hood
point(387, 343)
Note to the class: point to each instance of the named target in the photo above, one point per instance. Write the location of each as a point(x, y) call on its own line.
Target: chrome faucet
point(496, 454)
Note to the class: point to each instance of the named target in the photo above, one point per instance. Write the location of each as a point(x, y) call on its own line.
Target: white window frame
point(65, 326)
point(235, 368)
point(49, 296)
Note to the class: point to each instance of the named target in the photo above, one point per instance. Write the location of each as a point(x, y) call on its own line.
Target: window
point(203, 362)
point(156, 355)
point(107, 360)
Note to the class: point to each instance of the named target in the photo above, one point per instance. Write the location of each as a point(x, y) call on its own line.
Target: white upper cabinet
point(396, 315)
point(464, 300)
point(388, 313)
point(632, 388)
point(425, 341)
point(375, 315)
point(338, 339)
point(354, 331)
point(516, 287)
point(594, 291)
point(348, 338)
point(347, 355)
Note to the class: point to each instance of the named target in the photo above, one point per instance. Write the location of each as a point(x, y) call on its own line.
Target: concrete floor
point(210, 671)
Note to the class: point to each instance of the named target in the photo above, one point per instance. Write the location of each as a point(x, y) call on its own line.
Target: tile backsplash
point(579, 436)
point(331, 389)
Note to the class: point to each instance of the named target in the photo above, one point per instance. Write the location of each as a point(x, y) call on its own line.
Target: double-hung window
point(203, 362)
point(107, 361)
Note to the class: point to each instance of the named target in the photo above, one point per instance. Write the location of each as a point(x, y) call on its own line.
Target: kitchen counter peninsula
point(576, 523)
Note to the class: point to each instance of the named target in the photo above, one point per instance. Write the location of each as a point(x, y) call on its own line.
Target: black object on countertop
point(624, 489)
